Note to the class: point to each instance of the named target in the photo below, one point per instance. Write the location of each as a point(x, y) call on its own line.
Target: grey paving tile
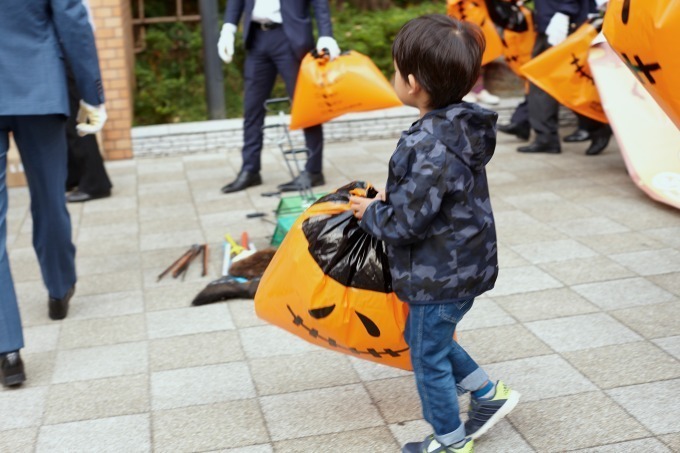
point(97, 247)
point(107, 305)
point(195, 350)
point(99, 398)
point(397, 398)
point(669, 282)
point(670, 345)
point(502, 343)
point(662, 321)
point(650, 444)
point(484, 313)
point(92, 265)
point(112, 282)
point(630, 292)
point(317, 412)
point(538, 378)
point(111, 219)
point(412, 431)
point(269, 341)
point(669, 236)
point(626, 364)
point(170, 239)
point(100, 362)
point(128, 433)
point(548, 304)
point(243, 313)
point(609, 244)
point(503, 437)
point(609, 423)
point(38, 367)
point(546, 252)
point(508, 258)
point(582, 332)
point(41, 338)
point(26, 406)
point(18, 440)
point(102, 331)
point(292, 373)
point(185, 321)
point(586, 270)
point(210, 427)
point(650, 262)
point(590, 226)
point(172, 297)
point(371, 371)
point(672, 440)
point(201, 385)
point(375, 440)
point(649, 403)
point(522, 279)
point(263, 448)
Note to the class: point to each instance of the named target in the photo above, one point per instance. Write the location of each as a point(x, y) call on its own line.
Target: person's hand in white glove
point(601, 4)
point(225, 45)
point(557, 29)
point(90, 119)
point(330, 45)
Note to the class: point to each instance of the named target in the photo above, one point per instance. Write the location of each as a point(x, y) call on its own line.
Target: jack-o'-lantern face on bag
point(330, 284)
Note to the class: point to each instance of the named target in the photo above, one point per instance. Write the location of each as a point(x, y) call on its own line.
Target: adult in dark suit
point(37, 36)
point(277, 35)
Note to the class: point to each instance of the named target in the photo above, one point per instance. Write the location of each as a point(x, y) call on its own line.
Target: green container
point(287, 212)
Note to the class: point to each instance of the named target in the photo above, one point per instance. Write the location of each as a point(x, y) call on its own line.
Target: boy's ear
point(413, 85)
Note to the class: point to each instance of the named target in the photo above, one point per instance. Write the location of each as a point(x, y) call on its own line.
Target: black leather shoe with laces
point(11, 369)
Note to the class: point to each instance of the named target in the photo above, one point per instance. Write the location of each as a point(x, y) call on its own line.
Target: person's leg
point(599, 133)
point(42, 144)
point(11, 334)
point(543, 108)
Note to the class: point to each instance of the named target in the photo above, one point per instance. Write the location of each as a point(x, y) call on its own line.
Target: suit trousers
point(270, 54)
point(543, 108)
point(41, 140)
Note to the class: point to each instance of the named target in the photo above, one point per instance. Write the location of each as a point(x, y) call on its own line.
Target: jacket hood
point(469, 131)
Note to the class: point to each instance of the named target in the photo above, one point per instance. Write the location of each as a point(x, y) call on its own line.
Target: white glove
point(601, 4)
point(330, 44)
point(557, 29)
point(91, 118)
point(225, 45)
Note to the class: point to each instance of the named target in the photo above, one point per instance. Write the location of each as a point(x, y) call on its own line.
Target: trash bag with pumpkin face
point(563, 72)
point(646, 36)
point(474, 11)
point(330, 284)
point(518, 43)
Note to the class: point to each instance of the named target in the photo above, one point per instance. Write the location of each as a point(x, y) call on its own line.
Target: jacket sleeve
point(571, 8)
point(77, 42)
point(412, 202)
point(234, 11)
point(323, 17)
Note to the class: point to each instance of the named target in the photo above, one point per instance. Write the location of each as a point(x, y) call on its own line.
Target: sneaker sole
point(505, 409)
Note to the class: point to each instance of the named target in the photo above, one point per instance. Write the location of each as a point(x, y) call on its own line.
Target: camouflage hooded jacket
point(437, 222)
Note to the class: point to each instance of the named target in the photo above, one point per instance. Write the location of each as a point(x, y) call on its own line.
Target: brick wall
point(113, 33)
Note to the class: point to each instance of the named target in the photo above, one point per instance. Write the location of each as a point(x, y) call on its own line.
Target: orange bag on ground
point(330, 284)
point(563, 72)
point(327, 89)
point(517, 46)
point(646, 36)
point(475, 12)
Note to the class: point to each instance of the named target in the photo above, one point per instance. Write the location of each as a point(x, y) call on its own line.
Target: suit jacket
point(297, 21)
point(577, 10)
point(36, 37)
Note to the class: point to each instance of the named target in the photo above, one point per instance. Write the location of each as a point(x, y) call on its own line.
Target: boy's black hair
point(443, 54)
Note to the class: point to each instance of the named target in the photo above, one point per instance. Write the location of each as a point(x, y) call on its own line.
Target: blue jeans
point(441, 366)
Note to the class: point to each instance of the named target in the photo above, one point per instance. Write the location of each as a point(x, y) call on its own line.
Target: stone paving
point(584, 321)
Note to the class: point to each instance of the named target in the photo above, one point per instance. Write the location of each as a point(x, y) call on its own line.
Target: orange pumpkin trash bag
point(327, 89)
point(475, 12)
point(646, 36)
point(563, 72)
point(330, 284)
point(518, 46)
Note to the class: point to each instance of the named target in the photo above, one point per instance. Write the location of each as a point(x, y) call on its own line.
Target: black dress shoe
point(520, 130)
point(304, 180)
point(600, 141)
point(244, 180)
point(579, 135)
point(58, 308)
point(540, 148)
point(11, 369)
point(78, 196)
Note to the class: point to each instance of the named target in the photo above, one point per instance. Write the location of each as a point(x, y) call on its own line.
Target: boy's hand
point(382, 195)
point(358, 205)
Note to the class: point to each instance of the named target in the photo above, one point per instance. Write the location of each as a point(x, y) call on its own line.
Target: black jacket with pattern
point(437, 222)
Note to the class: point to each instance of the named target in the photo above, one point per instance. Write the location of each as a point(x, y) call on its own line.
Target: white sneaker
point(470, 97)
point(488, 98)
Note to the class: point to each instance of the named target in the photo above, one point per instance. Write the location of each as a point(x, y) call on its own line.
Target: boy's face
point(404, 90)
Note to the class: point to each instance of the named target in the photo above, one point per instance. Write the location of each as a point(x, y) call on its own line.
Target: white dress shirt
point(267, 11)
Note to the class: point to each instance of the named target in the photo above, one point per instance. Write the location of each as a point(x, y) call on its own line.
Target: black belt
point(266, 26)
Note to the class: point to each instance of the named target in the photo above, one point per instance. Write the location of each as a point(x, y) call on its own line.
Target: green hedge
point(169, 72)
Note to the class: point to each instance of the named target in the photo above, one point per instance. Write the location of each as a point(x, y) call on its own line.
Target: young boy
point(436, 221)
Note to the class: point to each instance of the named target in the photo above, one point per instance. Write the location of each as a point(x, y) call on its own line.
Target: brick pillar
point(113, 32)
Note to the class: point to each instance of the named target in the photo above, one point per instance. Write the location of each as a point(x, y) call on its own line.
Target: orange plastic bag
point(327, 89)
point(475, 12)
point(330, 284)
point(563, 72)
point(646, 36)
point(517, 46)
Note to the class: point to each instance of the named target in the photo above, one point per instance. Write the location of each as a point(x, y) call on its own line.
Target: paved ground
point(585, 321)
